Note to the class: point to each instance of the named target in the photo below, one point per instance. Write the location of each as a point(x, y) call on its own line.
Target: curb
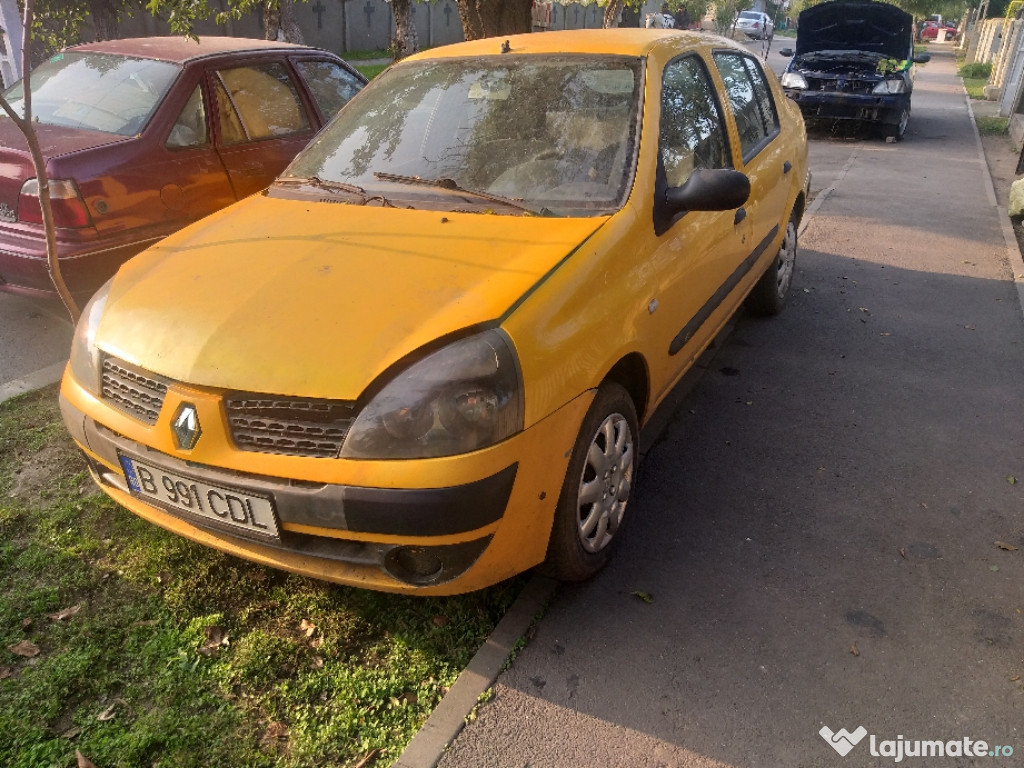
point(428, 745)
point(41, 378)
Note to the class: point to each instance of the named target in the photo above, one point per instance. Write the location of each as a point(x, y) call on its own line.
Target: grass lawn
point(140, 649)
point(975, 86)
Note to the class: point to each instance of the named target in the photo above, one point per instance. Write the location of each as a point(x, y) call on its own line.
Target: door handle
point(741, 214)
point(787, 167)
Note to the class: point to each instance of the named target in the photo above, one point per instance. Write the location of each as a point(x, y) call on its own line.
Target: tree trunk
point(279, 22)
point(271, 20)
point(104, 19)
point(406, 41)
point(611, 14)
point(490, 18)
point(290, 27)
point(39, 163)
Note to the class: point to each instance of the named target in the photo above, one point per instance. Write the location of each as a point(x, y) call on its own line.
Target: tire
point(597, 489)
point(769, 295)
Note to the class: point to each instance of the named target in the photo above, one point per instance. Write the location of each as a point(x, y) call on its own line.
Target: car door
point(698, 256)
point(194, 182)
point(262, 122)
point(763, 152)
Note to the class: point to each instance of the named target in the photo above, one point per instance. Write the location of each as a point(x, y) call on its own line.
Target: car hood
point(318, 299)
point(871, 26)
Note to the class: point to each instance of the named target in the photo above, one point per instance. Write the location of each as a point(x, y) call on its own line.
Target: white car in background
point(755, 25)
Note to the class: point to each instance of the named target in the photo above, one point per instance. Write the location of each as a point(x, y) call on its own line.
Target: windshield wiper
point(328, 186)
point(452, 185)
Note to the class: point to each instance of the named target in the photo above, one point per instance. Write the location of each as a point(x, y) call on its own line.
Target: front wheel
point(769, 295)
point(598, 485)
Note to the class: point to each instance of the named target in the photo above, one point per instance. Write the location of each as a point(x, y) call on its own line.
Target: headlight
point(794, 80)
point(891, 86)
point(464, 397)
point(85, 364)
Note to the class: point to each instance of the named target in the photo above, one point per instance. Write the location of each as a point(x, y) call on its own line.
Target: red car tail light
point(69, 209)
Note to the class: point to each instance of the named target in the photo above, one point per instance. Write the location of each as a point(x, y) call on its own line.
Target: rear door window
point(750, 99)
point(330, 84)
point(258, 102)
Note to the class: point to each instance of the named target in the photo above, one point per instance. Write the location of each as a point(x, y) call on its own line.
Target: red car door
point(262, 122)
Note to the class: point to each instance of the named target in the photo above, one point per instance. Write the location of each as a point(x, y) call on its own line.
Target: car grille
point(845, 85)
point(133, 390)
point(293, 426)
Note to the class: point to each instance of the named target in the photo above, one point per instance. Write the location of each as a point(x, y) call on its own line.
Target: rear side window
point(258, 102)
point(96, 91)
point(190, 128)
point(692, 134)
point(750, 99)
point(331, 84)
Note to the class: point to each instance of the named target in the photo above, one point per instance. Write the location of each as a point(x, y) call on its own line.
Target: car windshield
point(551, 136)
point(96, 91)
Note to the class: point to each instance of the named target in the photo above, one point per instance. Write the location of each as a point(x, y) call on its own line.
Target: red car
point(931, 30)
point(143, 136)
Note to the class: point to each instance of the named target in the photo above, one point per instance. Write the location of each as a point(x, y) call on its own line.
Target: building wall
point(366, 25)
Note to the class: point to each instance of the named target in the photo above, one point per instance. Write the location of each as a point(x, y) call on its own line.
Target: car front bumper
point(833, 105)
point(432, 526)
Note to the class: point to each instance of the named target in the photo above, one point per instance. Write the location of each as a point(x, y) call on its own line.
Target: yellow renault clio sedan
point(420, 361)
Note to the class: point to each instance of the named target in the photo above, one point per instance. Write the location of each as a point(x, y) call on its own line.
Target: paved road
point(35, 338)
point(817, 524)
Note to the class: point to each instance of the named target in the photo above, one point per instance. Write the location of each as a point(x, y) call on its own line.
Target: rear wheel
point(598, 485)
point(769, 295)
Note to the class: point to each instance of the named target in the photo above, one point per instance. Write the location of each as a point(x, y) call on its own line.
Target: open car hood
point(860, 25)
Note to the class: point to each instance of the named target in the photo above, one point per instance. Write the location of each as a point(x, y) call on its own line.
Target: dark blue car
point(854, 60)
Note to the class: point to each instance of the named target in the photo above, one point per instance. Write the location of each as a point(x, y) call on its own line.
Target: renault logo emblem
point(186, 427)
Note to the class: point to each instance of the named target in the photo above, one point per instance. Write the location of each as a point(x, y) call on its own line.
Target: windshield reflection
point(556, 134)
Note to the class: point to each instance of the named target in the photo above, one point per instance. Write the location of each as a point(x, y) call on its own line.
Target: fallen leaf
point(647, 597)
point(1007, 547)
point(885, 334)
point(215, 637)
point(6, 672)
point(24, 648)
point(64, 614)
point(70, 733)
point(903, 552)
point(439, 621)
point(276, 731)
point(969, 327)
point(1015, 678)
point(853, 650)
point(146, 623)
point(1011, 480)
point(318, 663)
point(26, 623)
point(993, 568)
point(108, 713)
point(368, 758)
point(308, 627)
point(83, 761)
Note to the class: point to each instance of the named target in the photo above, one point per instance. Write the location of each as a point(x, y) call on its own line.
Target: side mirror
point(922, 58)
point(787, 52)
point(720, 189)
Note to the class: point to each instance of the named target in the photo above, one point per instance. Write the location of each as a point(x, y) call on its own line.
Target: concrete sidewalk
point(827, 524)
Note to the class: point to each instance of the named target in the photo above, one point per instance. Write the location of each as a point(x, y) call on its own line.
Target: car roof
point(621, 41)
point(182, 49)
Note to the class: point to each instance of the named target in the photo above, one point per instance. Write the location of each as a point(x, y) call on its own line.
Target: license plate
point(247, 512)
